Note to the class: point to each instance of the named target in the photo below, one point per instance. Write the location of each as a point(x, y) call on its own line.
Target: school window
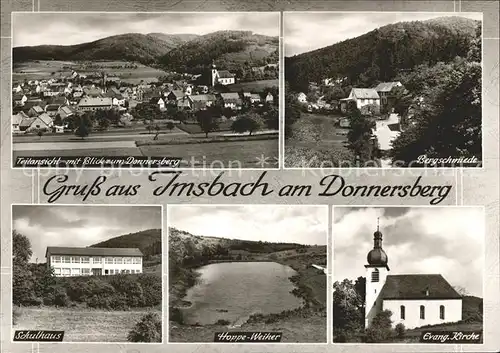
point(441, 312)
point(66, 259)
point(85, 271)
point(66, 271)
point(127, 260)
point(56, 259)
point(106, 272)
point(402, 312)
point(75, 260)
point(111, 272)
point(422, 312)
point(109, 260)
point(118, 260)
point(375, 275)
point(75, 272)
point(96, 260)
point(57, 271)
point(84, 260)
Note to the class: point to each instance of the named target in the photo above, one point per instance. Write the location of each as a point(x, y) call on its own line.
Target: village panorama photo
point(408, 274)
point(250, 269)
point(91, 273)
point(201, 88)
point(383, 90)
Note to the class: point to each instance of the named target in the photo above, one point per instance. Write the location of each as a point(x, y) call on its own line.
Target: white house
point(222, 77)
point(70, 261)
point(415, 300)
point(302, 98)
point(89, 103)
point(364, 96)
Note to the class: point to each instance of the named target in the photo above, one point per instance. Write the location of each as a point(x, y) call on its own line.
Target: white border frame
point(430, 347)
point(280, 87)
point(163, 330)
point(443, 13)
point(328, 277)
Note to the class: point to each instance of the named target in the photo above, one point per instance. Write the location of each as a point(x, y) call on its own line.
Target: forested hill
point(181, 242)
point(148, 241)
point(381, 54)
point(227, 49)
point(142, 48)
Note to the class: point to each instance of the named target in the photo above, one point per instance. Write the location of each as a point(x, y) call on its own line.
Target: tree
point(83, 125)
point(207, 121)
point(22, 278)
point(170, 126)
point(272, 118)
point(348, 310)
point(40, 134)
point(58, 121)
point(380, 329)
point(245, 123)
point(157, 129)
point(360, 135)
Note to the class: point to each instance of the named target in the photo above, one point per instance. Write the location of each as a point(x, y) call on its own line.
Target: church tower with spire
point(377, 270)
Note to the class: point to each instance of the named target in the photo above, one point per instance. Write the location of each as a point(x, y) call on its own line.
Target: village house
point(116, 96)
point(17, 89)
point(160, 103)
point(269, 98)
point(362, 97)
point(31, 102)
point(16, 122)
point(387, 99)
point(302, 97)
point(202, 101)
point(73, 261)
point(25, 124)
point(254, 98)
point(415, 300)
point(90, 104)
point(65, 112)
point(19, 99)
point(222, 77)
point(35, 111)
point(52, 109)
point(42, 122)
point(175, 95)
point(231, 100)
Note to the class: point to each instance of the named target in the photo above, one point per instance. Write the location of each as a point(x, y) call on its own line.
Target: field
point(33, 70)
point(254, 86)
point(315, 139)
point(80, 325)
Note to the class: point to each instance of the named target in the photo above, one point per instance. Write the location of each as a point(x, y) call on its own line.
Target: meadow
point(132, 73)
point(254, 86)
point(80, 325)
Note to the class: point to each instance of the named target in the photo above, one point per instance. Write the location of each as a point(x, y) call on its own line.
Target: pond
point(233, 291)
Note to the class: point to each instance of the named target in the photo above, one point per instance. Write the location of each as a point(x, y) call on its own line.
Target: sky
point(417, 240)
point(80, 226)
point(31, 28)
point(304, 32)
point(272, 223)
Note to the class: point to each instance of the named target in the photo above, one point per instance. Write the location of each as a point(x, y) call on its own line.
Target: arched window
point(402, 312)
point(375, 275)
point(441, 312)
point(422, 312)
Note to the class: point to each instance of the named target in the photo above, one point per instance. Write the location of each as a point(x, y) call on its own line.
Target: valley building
point(362, 97)
point(222, 77)
point(415, 300)
point(70, 261)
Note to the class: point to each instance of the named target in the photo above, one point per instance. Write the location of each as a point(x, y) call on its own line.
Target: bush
point(222, 322)
point(380, 329)
point(400, 330)
point(147, 330)
point(16, 314)
point(61, 298)
point(175, 315)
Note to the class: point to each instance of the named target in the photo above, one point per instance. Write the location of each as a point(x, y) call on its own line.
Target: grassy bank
point(209, 139)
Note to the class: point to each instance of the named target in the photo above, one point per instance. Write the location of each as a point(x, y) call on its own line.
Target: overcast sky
point(418, 240)
point(32, 28)
point(304, 32)
point(287, 224)
point(80, 225)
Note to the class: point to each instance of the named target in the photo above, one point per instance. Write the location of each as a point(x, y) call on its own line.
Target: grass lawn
point(81, 325)
point(254, 86)
point(234, 154)
point(196, 129)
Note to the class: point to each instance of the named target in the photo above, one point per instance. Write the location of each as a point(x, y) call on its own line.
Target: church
point(415, 300)
point(222, 77)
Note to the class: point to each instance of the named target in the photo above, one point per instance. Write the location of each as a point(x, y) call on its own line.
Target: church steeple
point(377, 255)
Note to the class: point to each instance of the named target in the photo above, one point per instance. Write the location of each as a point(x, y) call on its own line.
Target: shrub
point(175, 315)
point(400, 330)
point(380, 329)
point(222, 322)
point(16, 314)
point(97, 301)
point(61, 298)
point(148, 329)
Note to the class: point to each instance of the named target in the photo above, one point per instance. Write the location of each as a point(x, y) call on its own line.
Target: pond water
point(233, 291)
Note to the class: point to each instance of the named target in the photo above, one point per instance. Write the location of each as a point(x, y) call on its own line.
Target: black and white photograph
point(198, 89)
point(92, 273)
point(248, 268)
point(383, 89)
point(408, 274)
